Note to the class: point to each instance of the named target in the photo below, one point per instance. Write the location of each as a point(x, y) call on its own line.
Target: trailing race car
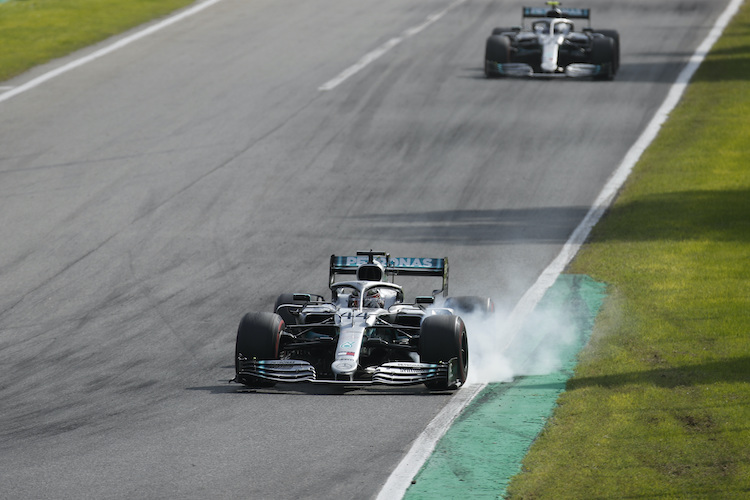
point(552, 47)
point(365, 334)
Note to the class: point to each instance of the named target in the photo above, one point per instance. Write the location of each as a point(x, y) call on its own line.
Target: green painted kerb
point(485, 446)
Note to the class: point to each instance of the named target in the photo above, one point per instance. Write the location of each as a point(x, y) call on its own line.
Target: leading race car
point(366, 334)
point(552, 47)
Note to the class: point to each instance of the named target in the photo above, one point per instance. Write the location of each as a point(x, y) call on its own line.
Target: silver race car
point(551, 46)
point(365, 334)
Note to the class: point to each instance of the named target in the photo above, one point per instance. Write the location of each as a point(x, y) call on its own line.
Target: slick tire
point(615, 36)
point(258, 336)
point(469, 304)
point(497, 51)
point(441, 339)
point(602, 53)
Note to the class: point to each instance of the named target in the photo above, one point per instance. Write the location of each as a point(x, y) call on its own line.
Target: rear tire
point(497, 51)
point(469, 304)
point(287, 298)
point(441, 339)
point(258, 337)
point(500, 31)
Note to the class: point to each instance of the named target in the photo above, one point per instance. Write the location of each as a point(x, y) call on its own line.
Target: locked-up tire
point(603, 54)
point(442, 338)
point(615, 36)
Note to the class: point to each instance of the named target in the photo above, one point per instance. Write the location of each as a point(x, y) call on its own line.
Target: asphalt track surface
point(151, 197)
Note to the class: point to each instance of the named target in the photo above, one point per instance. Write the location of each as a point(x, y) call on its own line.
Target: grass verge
point(33, 32)
point(660, 403)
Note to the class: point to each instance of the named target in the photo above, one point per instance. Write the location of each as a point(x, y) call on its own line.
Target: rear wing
point(568, 12)
point(394, 266)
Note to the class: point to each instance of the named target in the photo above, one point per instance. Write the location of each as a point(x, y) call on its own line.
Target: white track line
point(420, 451)
point(107, 50)
point(370, 57)
point(400, 479)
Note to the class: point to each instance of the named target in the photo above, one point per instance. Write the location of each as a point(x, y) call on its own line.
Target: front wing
point(573, 70)
point(395, 373)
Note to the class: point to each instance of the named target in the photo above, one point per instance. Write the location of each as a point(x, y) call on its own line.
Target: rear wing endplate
point(394, 266)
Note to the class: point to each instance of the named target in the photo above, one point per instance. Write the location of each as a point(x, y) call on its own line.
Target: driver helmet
point(541, 27)
point(562, 28)
point(373, 298)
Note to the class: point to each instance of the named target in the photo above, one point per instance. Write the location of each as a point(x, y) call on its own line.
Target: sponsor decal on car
point(343, 365)
point(404, 262)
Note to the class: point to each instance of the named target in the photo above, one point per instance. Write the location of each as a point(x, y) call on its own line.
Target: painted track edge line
point(400, 480)
point(107, 50)
point(402, 475)
point(375, 54)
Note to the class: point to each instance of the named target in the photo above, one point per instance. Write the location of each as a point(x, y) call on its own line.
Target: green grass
point(36, 31)
point(659, 406)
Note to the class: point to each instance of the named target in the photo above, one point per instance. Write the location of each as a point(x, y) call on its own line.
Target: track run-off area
point(157, 192)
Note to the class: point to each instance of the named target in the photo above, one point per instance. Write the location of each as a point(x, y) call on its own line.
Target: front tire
point(497, 51)
point(441, 339)
point(615, 36)
point(258, 337)
point(603, 54)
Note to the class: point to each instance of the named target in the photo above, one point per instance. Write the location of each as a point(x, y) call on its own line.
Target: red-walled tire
point(258, 337)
